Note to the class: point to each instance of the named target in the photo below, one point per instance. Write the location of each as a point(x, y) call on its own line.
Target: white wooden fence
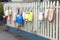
point(46, 29)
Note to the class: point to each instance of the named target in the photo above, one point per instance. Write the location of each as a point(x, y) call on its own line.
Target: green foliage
point(1, 11)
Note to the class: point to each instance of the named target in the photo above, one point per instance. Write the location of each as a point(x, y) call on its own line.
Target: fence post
point(57, 20)
point(54, 23)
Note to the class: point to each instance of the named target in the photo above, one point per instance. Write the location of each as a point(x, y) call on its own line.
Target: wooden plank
point(56, 28)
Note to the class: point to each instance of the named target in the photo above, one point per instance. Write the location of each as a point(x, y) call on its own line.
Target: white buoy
point(46, 11)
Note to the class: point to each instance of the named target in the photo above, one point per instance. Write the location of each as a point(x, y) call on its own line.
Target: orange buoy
point(9, 18)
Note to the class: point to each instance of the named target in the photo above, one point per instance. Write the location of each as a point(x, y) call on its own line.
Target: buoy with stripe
point(51, 12)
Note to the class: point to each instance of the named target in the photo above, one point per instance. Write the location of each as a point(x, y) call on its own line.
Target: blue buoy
point(19, 19)
point(4, 20)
